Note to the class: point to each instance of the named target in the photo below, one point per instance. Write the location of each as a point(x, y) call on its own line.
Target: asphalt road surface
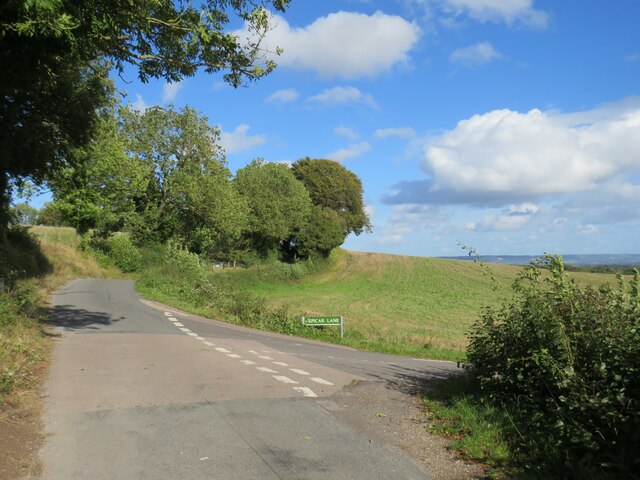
point(139, 390)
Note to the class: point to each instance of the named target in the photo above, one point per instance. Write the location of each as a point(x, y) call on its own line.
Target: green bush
point(124, 254)
point(567, 359)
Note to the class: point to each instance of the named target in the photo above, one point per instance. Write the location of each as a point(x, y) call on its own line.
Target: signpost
point(318, 321)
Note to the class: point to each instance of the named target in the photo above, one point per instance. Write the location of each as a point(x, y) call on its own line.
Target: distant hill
point(579, 260)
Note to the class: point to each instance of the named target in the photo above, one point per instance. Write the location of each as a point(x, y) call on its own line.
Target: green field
point(411, 305)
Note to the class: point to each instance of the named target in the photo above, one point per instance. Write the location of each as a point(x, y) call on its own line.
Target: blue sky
point(512, 126)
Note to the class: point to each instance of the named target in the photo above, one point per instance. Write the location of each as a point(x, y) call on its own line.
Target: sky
point(510, 126)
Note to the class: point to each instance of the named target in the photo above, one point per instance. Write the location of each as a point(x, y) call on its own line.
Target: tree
point(55, 57)
point(99, 186)
point(279, 204)
point(333, 187)
point(24, 214)
point(188, 194)
point(322, 232)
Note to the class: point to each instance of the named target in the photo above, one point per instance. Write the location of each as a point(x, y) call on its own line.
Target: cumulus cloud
point(538, 171)
point(346, 132)
point(475, 55)
point(140, 105)
point(352, 151)
point(507, 11)
point(239, 140)
point(342, 96)
point(170, 91)
point(402, 132)
point(343, 44)
point(285, 95)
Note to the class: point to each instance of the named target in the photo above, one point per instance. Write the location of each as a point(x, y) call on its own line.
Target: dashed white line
point(199, 338)
point(209, 344)
point(266, 370)
point(191, 334)
point(252, 351)
point(173, 319)
point(264, 357)
point(282, 364)
point(298, 371)
point(306, 391)
point(168, 314)
point(222, 350)
point(178, 324)
point(233, 355)
point(185, 330)
point(321, 381)
point(247, 362)
point(283, 379)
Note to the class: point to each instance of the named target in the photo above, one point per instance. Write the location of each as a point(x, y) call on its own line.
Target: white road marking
point(209, 344)
point(306, 391)
point(266, 370)
point(252, 351)
point(282, 364)
point(248, 362)
point(283, 379)
point(233, 355)
point(265, 357)
point(178, 324)
point(200, 338)
point(173, 319)
point(191, 334)
point(298, 371)
point(185, 330)
point(222, 350)
point(321, 381)
point(167, 314)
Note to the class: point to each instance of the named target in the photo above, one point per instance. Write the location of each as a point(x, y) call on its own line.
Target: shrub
point(567, 359)
point(124, 254)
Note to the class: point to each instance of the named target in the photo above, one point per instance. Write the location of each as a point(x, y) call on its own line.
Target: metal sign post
point(319, 321)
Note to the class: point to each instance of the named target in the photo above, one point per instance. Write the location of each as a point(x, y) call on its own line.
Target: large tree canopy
point(279, 204)
point(332, 186)
point(55, 55)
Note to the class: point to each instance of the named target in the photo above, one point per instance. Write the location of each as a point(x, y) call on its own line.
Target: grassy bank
point(23, 303)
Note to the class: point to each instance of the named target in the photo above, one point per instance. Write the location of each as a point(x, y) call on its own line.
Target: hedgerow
point(566, 359)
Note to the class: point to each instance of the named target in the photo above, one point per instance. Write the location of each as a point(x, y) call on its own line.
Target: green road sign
point(331, 320)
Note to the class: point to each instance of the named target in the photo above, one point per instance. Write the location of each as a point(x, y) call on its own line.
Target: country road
point(139, 390)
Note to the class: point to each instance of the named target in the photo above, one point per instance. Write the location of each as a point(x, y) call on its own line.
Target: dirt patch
point(21, 428)
point(396, 419)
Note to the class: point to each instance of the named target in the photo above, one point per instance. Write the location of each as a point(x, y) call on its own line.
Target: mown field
point(412, 305)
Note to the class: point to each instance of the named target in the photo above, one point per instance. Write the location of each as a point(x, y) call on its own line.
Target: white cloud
point(522, 209)
point(354, 150)
point(170, 91)
point(344, 95)
point(402, 132)
point(140, 105)
point(500, 223)
point(634, 57)
point(507, 152)
point(285, 95)
point(475, 55)
point(343, 44)
point(345, 132)
point(238, 140)
point(507, 11)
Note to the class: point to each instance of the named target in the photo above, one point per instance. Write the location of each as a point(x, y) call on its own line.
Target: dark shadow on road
point(413, 381)
point(72, 318)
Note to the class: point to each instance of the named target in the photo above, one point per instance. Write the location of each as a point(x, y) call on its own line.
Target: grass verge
point(477, 430)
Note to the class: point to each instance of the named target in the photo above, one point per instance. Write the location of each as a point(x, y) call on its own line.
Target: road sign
point(328, 320)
